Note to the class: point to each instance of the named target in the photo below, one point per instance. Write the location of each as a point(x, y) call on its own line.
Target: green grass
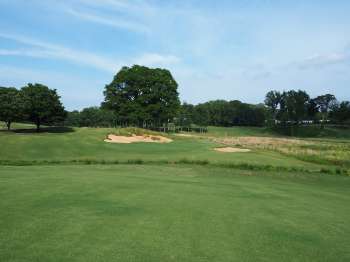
point(164, 213)
point(82, 199)
point(88, 144)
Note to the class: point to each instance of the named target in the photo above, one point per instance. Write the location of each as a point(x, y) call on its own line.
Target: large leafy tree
point(273, 101)
point(142, 96)
point(294, 106)
point(324, 104)
point(42, 105)
point(10, 105)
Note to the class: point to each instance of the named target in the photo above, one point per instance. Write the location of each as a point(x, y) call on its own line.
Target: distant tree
point(324, 104)
point(227, 113)
point(293, 106)
point(272, 101)
point(96, 117)
point(91, 117)
point(141, 96)
point(10, 105)
point(312, 109)
point(73, 118)
point(340, 112)
point(42, 105)
point(186, 115)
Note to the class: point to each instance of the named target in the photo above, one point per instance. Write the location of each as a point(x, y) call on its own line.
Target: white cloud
point(134, 6)
point(153, 59)
point(108, 21)
point(48, 50)
point(318, 60)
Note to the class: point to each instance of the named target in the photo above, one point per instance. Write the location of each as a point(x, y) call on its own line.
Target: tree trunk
point(8, 124)
point(37, 126)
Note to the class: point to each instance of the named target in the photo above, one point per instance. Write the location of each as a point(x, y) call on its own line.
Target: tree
point(324, 104)
point(272, 101)
point(186, 114)
point(340, 112)
point(293, 106)
point(224, 113)
point(312, 109)
point(10, 105)
point(142, 96)
point(42, 105)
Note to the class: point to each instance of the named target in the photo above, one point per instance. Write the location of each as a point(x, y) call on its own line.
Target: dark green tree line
point(11, 105)
point(296, 107)
point(91, 117)
point(222, 113)
point(35, 103)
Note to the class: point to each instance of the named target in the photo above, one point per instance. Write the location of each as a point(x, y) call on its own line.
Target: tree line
point(149, 98)
point(296, 107)
point(34, 103)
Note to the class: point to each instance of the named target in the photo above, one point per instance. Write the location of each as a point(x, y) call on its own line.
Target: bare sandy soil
point(231, 150)
point(135, 139)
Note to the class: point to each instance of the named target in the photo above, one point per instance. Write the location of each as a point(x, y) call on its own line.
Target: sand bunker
point(231, 150)
point(135, 139)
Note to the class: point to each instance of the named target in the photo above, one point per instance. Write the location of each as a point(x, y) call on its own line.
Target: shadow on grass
point(51, 129)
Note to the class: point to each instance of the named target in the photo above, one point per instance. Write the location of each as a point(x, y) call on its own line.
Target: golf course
point(174, 131)
point(67, 195)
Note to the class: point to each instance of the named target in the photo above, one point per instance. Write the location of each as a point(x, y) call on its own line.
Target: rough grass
point(324, 152)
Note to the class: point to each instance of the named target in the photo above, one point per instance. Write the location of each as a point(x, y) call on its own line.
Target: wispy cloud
point(317, 61)
point(152, 59)
point(130, 6)
point(40, 49)
point(109, 21)
point(48, 50)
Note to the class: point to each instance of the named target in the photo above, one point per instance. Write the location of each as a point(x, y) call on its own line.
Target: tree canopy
point(142, 96)
point(11, 105)
point(222, 113)
point(42, 105)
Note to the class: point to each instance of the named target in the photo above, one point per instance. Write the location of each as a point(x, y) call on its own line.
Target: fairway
point(166, 213)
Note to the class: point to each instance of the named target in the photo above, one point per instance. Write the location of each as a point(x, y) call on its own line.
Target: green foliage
point(222, 113)
point(340, 112)
point(293, 106)
point(11, 106)
point(142, 96)
point(272, 101)
point(91, 117)
point(324, 103)
point(42, 105)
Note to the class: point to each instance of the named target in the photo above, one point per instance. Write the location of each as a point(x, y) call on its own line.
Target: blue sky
point(214, 49)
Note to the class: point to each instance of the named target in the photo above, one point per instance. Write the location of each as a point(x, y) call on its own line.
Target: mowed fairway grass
point(70, 196)
point(171, 213)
